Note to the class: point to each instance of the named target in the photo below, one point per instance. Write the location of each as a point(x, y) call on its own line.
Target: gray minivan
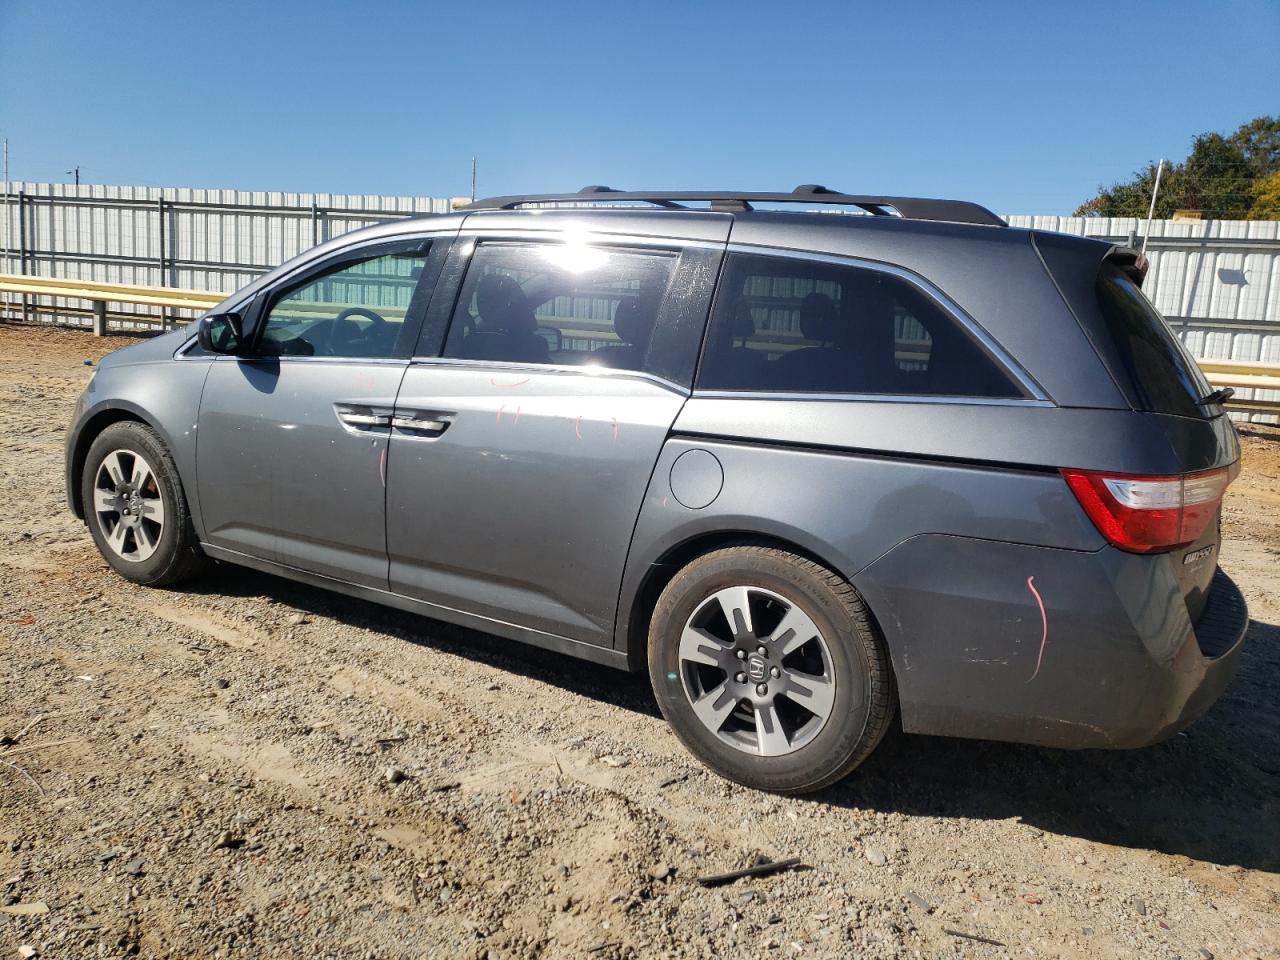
point(813, 468)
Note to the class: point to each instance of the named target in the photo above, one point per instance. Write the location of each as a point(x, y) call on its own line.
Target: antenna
point(1151, 211)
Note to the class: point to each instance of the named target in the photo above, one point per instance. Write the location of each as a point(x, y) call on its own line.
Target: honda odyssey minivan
point(815, 460)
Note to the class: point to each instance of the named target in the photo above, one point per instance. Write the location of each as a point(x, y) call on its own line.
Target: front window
point(356, 310)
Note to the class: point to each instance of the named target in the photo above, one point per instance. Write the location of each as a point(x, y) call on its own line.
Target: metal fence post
point(164, 320)
point(315, 223)
point(99, 318)
point(22, 250)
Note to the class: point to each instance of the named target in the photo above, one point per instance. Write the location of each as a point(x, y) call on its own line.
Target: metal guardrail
point(1248, 374)
point(112, 292)
point(1221, 373)
point(1242, 373)
point(100, 294)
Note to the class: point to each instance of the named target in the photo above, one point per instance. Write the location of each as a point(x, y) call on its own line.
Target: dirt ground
point(249, 767)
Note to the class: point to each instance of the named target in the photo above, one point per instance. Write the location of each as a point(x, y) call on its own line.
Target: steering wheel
point(345, 331)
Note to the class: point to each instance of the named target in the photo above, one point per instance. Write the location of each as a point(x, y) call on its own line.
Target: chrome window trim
point(283, 358)
point(872, 398)
point(560, 369)
point(975, 329)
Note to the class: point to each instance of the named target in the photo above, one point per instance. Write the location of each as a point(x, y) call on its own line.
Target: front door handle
point(365, 419)
point(362, 418)
point(425, 426)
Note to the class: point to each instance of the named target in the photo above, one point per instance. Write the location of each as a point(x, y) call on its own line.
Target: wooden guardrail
point(1221, 373)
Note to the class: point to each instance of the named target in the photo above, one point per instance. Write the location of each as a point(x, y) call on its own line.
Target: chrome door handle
point(427, 427)
point(365, 419)
point(362, 419)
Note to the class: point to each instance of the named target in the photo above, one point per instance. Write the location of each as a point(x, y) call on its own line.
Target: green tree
point(1266, 198)
point(1132, 198)
point(1216, 179)
point(1220, 178)
point(1260, 141)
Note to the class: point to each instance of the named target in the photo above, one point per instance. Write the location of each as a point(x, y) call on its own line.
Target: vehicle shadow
point(1211, 793)
point(616, 687)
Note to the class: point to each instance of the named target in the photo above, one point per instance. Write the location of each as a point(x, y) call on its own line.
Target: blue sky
point(1023, 106)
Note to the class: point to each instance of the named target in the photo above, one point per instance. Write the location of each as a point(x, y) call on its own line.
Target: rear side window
point(1165, 379)
point(563, 304)
point(800, 326)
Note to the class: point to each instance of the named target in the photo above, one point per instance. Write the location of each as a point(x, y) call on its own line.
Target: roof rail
point(911, 208)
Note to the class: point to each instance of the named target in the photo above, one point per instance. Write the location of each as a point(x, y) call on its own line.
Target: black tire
point(864, 699)
point(177, 555)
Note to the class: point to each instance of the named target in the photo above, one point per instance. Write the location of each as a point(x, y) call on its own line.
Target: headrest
point(633, 321)
point(869, 316)
point(502, 305)
point(818, 317)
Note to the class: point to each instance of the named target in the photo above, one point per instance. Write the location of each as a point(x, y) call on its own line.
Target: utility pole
point(473, 179)
point(1151, 211)
point(8, 226)
point(76, 171)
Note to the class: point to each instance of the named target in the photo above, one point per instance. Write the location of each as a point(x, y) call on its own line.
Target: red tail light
point(1144, 514)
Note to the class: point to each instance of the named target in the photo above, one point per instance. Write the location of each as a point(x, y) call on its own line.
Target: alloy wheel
point(128, 505)
point(757, 671)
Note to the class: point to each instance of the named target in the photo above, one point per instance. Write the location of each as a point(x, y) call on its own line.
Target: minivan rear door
point(523, 441)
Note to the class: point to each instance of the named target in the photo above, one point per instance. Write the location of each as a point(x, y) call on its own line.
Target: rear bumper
point(1203, 667)
point(1051, 647)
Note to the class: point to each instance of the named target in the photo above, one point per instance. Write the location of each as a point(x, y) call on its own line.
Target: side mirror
point(220, 333)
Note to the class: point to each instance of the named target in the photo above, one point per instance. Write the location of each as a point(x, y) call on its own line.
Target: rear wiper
point(1221, 395)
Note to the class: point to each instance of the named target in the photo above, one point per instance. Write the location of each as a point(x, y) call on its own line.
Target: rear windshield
point(1164, 376)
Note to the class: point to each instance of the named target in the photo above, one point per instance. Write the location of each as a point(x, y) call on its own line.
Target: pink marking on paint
point(517, 419)
point(577, 427)
point(500, 409)
point(615, 428)
point(1044, 626)
point(382, 466)
point(664, 501)
point(493, 382)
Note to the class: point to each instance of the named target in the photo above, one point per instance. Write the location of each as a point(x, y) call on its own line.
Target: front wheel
point(768, 667)
point(135, 508)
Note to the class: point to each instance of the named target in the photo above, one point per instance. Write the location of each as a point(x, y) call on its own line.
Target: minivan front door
point(520, 458)
point(292, 437)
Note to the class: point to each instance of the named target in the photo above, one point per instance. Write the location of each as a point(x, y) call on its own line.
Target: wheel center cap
point(757, 669)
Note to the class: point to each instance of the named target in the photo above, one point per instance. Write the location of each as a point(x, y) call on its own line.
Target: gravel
point(251, 768)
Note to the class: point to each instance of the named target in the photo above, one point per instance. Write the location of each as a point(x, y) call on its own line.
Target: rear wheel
point(135, 507)
point(768, 668)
